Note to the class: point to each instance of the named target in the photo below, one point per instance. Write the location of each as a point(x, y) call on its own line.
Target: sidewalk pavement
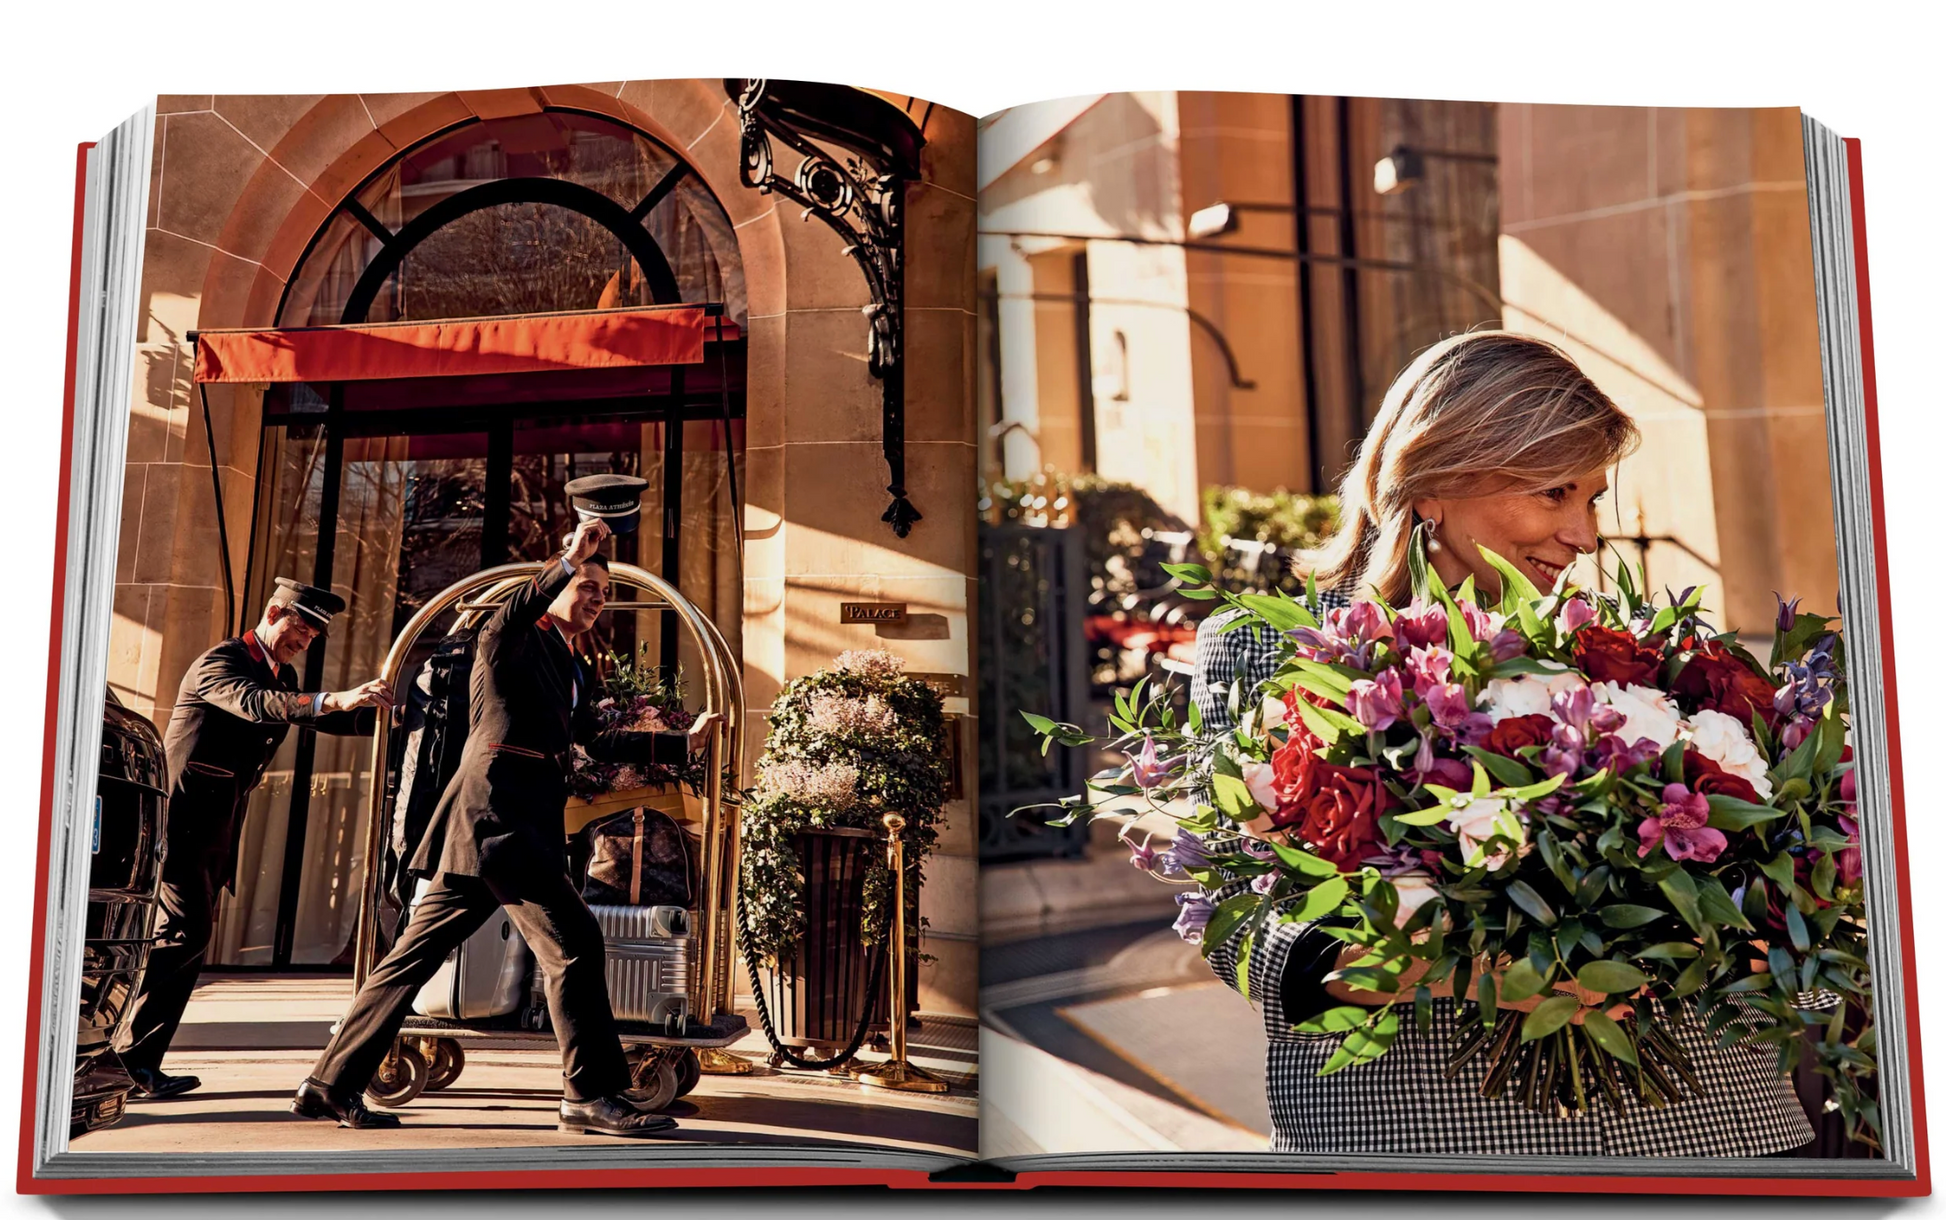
point(252, 1038)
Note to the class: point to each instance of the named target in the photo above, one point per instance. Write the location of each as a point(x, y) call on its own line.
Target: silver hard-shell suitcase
point(649, 962)
point(485, 977)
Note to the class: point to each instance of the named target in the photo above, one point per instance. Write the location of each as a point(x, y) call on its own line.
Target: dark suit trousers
point(186, 899)
point(567, 944)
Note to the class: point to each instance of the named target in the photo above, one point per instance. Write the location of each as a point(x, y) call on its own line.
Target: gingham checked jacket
point(1403, 1103)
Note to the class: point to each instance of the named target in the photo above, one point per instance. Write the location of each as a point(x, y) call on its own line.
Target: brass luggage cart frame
point(429, 1053)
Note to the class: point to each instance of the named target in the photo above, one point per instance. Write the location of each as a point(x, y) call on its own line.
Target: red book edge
point(1920, 1184)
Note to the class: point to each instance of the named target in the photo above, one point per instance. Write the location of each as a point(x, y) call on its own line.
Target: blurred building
point(1181, 290)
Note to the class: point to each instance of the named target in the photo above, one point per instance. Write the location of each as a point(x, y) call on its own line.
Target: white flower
point(1415, 890)
point(1724, 741)
point(1475, 819)
point(1261, 779)
point(1646, 712)
point(1272, 715)
point(1527, 694)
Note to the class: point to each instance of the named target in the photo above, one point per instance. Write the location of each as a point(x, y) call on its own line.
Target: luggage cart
point(667, 1058)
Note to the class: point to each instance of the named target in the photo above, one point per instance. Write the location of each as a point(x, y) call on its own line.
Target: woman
point(1492, 440)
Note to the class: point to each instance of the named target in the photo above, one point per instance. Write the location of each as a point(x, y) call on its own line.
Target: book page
point(1408, 535)
point(539, 640)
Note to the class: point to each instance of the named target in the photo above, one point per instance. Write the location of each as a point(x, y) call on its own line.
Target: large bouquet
point(1603, 802)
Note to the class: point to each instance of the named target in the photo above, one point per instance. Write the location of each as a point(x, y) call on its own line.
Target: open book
point(1297, 636)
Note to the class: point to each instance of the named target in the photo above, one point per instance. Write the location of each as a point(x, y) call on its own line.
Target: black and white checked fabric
point(1403, 1103)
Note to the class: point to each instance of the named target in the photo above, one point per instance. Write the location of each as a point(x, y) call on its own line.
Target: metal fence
point(1033, 596)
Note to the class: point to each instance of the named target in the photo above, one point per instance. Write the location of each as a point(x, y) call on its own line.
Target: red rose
point(1517, 731)
point(1608, 655)
point(1716, 679)
point(1332, 810)
point(1701, 774)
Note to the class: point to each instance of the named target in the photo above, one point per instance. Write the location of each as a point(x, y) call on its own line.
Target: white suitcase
point(485, 977)
point(649, 962)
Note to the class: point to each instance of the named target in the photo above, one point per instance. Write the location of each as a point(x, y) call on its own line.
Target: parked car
point(127, 845)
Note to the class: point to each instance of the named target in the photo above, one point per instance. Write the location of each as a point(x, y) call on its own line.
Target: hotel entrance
point(387, 488)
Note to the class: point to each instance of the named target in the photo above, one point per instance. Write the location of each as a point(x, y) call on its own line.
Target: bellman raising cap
point(236, 704)
point(497, 839)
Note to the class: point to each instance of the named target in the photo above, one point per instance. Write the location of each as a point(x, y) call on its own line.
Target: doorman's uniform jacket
point(233, 711)
point(500, 818)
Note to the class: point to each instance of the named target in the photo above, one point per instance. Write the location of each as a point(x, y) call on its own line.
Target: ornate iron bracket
point(862, 199)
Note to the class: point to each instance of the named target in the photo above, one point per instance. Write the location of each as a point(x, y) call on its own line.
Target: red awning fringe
point(531, 343)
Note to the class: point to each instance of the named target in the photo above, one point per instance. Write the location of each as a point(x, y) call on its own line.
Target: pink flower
point(1421, 624)
point(1452, 711)
point(1141, 855)
point(1263, 884)
point(1507, 644)
point(1428, 667)
point(1377, 703)
point(1851, 865)
point(1147, 770)
point(1479, 624)
point(1682, 828)
point(1575, 613)
point(1432, 769)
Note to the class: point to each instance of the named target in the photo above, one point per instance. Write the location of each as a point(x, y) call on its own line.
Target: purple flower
point(1611, 753)
point(1577, 709)
point(1681, 828)
point(1848, 787)
point(1786, 612)
point(1507, 644)
point(1377, 702)
point(1194, 917)
point(1851, 865)
point(1564, 751)
point(1141, 855)
point(1432, 769)
point(1346, 634)
point(1795, 730)
point(1263, 884)
point(1479, 624)
point(1147, 770)
point(1574, 614)
point(1428, 667)
point(1256, 849)
point(1453, 714)
point(1188, 851)
point(1421, 624)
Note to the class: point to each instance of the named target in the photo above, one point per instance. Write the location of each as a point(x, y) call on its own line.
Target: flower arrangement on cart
point(637, 695)
point(1598, 800)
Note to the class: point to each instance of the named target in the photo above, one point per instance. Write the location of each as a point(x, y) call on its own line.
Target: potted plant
point(847, 745)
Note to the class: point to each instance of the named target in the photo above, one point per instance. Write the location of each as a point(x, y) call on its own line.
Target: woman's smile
point(1548, 572)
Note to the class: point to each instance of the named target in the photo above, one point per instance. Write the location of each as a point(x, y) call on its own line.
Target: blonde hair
point(1483, 413)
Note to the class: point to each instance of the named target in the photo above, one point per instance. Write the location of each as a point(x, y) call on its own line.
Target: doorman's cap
point(315, 604)
point(614, 498)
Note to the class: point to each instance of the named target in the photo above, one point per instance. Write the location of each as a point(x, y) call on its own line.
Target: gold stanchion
point(898, 1072)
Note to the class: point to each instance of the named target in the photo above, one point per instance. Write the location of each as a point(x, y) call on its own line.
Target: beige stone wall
point(239, 186)
point(1669, 250)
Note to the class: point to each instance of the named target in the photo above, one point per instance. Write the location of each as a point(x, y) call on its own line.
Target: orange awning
point(531, 343)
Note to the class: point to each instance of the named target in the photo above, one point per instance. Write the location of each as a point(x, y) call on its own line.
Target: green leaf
point(1188, 573)
point(1232, 796)
point(1794, 924)
point(1628, 915)
point(1320, 900)
point(1304, 862)
point(1330, 678)
point(1669, 951)
point(1729, 813)
point(1481, 784)
point(1609, 1036)
point(1507, 770)
point(1424, 817)
point(1364, 1044)
point(1529, 900)
point(1715, 904)
point(1245, 947)
point(1610, 977)
point(1514, 587)
point(1226, 919)
point(1315, 720)
point(1680, 890)
point(1281, 614)
point(1337, 1020)
point(1521, 982)
point(1040, 724)
point(1548, 1016)
point(1535, 791)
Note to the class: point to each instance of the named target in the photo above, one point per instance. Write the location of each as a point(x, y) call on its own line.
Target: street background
point(1868, 76)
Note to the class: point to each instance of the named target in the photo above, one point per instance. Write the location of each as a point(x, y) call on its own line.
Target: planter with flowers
point(637, 696)
point(847, 745)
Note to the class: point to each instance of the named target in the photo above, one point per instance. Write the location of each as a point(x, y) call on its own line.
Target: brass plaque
point(875, 613)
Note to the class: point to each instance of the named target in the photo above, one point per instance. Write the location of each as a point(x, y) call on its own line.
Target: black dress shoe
point(611, 1116)
point(151, 1085)
point(313, 1100)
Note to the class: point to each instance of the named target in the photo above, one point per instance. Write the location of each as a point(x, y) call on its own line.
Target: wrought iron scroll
point(862, 199)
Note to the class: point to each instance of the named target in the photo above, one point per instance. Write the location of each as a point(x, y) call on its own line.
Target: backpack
point(637, 858)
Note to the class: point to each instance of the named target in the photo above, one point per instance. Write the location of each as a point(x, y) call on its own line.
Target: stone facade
point(240, 186)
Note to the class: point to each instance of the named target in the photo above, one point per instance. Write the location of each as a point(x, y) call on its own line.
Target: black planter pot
point(818, 997)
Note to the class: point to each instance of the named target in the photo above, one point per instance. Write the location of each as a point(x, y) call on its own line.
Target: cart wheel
point(655, 1082)
point(448, 1061)
point(689, 1070)
point(400, 1078)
